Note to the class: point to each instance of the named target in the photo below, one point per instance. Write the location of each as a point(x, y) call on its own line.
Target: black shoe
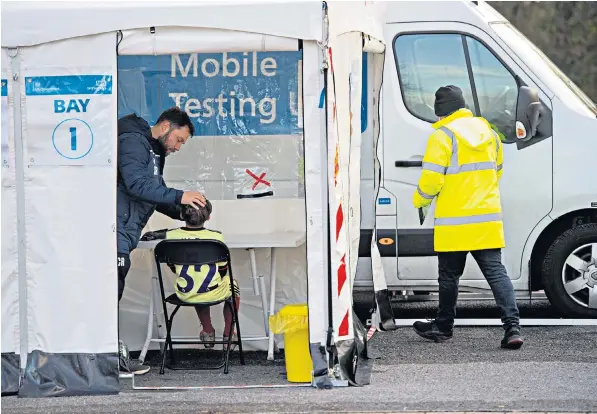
point(128, 365)
point(134, 367)
point(512, 339)
point(430, 330)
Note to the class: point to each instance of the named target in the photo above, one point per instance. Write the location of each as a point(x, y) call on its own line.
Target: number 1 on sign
point(73, 138)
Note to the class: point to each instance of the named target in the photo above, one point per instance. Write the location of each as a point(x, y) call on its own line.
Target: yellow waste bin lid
point(290, 318)
point(297, 309)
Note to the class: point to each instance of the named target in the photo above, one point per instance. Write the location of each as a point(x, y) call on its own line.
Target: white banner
point(67, 120)
point(70, 123)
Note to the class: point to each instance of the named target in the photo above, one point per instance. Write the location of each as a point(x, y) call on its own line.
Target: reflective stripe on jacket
point(461, 167)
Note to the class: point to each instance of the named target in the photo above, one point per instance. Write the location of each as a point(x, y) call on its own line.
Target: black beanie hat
point(448, 99)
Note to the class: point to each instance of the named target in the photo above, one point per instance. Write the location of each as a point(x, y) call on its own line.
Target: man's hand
point(193, 198)
point(423, 213)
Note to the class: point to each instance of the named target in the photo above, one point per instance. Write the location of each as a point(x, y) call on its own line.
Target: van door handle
point(408, 164)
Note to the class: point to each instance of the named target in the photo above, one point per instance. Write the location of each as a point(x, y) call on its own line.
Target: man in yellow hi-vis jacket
point(461, 167)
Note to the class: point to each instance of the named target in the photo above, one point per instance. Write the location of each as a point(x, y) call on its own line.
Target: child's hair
point(194, 217)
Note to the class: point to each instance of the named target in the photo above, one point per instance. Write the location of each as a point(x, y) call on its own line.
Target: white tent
point(59, 304)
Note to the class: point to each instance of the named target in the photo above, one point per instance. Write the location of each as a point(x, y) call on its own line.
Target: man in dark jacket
point(141, 189)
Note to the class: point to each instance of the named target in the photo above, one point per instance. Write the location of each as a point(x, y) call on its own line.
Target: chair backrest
point(191, 252)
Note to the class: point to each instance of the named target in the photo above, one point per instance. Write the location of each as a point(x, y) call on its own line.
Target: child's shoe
point(208, 337)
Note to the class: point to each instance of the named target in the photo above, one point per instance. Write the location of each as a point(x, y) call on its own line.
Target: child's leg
point(205, 318)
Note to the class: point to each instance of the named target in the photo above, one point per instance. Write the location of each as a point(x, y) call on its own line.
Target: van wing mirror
point(530, 113)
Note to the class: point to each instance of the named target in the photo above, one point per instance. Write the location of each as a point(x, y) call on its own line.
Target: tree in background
point(566, 31)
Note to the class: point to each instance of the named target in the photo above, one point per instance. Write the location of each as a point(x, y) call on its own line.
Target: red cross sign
point(258, 179)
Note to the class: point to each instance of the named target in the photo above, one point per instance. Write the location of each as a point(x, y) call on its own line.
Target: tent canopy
point(292, 19)
point(46, 335)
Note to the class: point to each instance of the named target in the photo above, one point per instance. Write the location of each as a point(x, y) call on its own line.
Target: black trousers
point(451, 267)
point(124, 265)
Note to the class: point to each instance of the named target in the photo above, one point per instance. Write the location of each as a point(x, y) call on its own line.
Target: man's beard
point(163, 139)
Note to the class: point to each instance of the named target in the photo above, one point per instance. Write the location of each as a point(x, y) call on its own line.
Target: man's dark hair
point(177, 118)
point(194, 217)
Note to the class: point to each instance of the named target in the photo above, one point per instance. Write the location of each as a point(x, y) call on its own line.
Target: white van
point(549, 184)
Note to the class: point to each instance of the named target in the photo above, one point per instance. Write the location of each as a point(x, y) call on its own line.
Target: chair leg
point(228, 345)
point(165, 351)
point(240, 342)
point(168, 348)
point(169, 339)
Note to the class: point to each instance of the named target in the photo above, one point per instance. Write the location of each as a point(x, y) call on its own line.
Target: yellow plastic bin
point(293, 322)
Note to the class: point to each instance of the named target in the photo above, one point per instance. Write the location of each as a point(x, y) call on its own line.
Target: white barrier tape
point(219, 387)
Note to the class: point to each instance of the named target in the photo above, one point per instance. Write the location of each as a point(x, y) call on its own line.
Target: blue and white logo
point(73, 138)
point(384, 201)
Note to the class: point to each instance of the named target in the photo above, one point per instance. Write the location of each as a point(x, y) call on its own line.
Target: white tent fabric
point(383, 317)
point(292, 19)
point(9, 265)
point(170, 40)
point(365, 17)
point(67, 205)
point(69, 141)
point(344, 105)
point(316, 191)
point(344, 148)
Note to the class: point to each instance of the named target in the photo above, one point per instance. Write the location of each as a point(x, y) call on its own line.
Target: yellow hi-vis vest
point(461, 167)
point(194, 283)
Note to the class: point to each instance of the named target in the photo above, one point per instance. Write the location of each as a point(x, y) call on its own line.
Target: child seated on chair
point(207, 283)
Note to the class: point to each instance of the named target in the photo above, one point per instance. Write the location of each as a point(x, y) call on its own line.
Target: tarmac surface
point(555, 371)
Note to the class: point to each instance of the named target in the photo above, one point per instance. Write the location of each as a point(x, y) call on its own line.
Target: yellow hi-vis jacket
point(461, 167)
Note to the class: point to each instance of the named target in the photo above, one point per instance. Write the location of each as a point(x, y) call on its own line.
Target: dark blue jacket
point(141, 188)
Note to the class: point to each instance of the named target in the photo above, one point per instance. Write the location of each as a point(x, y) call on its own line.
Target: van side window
point(497, 90)
point(427, 61)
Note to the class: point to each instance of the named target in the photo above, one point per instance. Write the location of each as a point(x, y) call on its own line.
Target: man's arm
point(435, 162)
point(132, 156)
point(171, 210)
point(169, 235)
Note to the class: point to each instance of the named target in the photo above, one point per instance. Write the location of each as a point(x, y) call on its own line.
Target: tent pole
point(330, 329)
point(20, 184)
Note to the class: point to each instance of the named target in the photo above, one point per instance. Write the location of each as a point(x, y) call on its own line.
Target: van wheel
point(569, 272)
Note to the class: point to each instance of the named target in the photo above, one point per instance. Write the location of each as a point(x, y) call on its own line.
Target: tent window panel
point(247, 114)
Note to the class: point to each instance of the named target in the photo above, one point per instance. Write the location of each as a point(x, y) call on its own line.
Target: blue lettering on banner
point(74, 105)
point(244, 93)
point(383, 201)
point(4, 87)
point(73, 138)
point(68, 85)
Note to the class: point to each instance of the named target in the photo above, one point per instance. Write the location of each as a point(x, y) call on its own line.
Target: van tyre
point(572, 256)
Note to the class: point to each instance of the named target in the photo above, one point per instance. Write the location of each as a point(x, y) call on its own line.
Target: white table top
point(251, 241)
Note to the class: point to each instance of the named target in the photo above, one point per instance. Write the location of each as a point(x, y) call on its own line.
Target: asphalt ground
point(535, 309)
point(555, 371)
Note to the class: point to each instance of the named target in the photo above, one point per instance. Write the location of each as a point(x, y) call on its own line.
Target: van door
point(421, 57)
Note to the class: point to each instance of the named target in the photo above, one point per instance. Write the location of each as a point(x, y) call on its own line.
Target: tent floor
point(256, 371)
